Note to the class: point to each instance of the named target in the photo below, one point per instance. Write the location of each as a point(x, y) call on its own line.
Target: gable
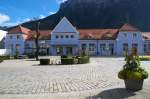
point(64, 26)
point(128, 27)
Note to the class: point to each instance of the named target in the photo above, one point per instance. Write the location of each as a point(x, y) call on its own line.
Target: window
point(125, 35)
point(145, 47)
point(134, 45)
point(102, 46)
point(11, 47)
point(18, 36)
point(83, 46)
point(125, 47)
point(57, 36)
point(149, 47)
point(91, 47)
point(27, 45)
point(17, 46)
point(111, 46)
point(11, 37)
point(67, 36)
point(62, 36)
point(72, 36)
point(134, 35)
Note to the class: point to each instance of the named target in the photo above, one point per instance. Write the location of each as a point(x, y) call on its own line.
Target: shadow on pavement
point(118, 93)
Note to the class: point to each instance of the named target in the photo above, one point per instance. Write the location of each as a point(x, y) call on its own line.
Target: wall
point(10, 43)
point(97, 50)
point(129, 39)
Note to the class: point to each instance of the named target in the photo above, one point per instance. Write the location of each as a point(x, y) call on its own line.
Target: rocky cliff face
point(100, 14)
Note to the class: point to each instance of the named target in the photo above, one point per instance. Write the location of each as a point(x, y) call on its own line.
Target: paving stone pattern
point(95, 80)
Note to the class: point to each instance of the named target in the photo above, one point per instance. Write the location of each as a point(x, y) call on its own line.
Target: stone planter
point(134, 85)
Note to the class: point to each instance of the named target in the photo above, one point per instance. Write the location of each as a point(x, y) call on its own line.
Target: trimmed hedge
point(67, 61)
point(44, 61)
point(4, 57)
point(1, 60)
point(144, 58)
point(31, 56)
point(83, 60)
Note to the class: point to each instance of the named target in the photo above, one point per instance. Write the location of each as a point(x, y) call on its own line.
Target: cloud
point(60, 1)
point(4, 18)
point(50, 13)
point(42, 16)
point(10, 23)
point(6, 21)
point(26, 19)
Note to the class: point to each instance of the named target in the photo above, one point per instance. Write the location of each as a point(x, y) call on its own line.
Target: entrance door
point(69, 51)
point(59, 50)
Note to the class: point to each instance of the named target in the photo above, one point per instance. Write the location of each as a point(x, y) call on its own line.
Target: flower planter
point(134, 85)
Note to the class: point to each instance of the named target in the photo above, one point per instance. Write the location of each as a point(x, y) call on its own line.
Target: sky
point(13, 12)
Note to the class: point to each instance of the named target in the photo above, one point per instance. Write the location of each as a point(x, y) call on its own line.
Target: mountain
point(3, 27)
point(99, 14)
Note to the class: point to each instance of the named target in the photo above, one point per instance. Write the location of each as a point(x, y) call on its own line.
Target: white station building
point(65, 39)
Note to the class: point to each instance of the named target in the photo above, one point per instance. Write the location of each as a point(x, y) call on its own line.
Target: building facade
point(65, 39)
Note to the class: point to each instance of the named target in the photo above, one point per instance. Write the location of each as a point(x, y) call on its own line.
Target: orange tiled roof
point(19, 29)
point(128, 27)
point(44, 34)
point(28, 34)
point(102, 34)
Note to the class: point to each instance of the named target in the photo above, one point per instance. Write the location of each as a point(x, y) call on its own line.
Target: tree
point(37, 35)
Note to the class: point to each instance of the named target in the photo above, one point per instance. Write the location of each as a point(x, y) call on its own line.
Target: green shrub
point(67, 61)
point(132, 69)
point(83, 59)
point(4, 57)
point(1, 60)
point(44, 61)
point(30, 56)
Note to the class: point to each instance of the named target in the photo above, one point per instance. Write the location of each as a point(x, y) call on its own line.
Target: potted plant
point(133, 74)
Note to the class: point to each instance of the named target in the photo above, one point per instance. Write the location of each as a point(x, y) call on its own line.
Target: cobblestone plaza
point(25, 79)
